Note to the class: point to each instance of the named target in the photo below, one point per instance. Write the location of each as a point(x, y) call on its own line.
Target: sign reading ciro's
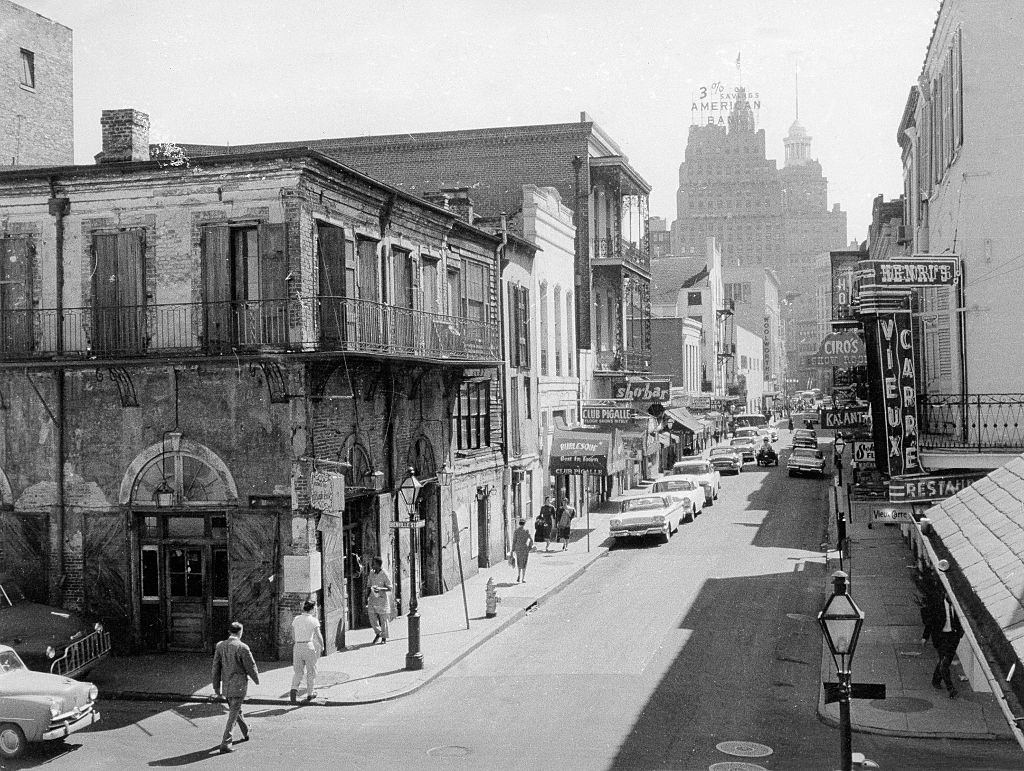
point(840, 349)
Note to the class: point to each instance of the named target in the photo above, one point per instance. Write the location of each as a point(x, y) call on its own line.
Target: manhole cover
point(732, 765)
point(327, 679)
point(902, 704)
point(448, 751)
point(745, 749)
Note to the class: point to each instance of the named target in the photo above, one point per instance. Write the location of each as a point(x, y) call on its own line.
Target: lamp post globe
point(841, 620)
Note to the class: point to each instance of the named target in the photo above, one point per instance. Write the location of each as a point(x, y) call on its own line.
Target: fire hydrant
point(492, 599)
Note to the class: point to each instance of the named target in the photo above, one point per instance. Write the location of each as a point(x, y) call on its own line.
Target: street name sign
point(408, 524)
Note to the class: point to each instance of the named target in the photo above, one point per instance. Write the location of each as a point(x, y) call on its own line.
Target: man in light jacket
point(233, 666)
point(308, 644)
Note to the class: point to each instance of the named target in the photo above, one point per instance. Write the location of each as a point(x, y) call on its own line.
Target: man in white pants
point(308, 643)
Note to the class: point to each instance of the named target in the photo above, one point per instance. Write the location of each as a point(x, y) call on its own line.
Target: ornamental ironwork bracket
point(277, 383)
point(320, 374)
point(125, 387)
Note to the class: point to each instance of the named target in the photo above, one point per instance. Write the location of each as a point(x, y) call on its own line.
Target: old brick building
point(182, 346)
point(36, 116)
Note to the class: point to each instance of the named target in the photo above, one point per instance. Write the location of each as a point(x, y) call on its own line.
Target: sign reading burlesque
point(896, 435)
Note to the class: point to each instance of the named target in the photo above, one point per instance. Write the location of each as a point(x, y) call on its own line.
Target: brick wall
point(36, 124)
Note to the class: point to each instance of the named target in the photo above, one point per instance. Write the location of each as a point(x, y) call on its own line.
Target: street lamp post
point(841, 621)
point(410, 492)
point(839, 446)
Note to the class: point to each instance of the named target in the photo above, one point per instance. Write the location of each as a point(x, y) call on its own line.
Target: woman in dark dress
point(545, 525)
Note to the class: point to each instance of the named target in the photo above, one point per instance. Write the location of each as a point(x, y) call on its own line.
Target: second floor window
point(471, 419)
point(694, 298)
point(475, 291)
point(519, 326)
point(543, 302)
point(558, 331)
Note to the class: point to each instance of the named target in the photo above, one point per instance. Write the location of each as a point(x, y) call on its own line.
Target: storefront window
point(150, 573)
point(185, 570)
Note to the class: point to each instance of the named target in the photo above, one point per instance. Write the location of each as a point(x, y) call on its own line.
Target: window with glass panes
point(471, 419)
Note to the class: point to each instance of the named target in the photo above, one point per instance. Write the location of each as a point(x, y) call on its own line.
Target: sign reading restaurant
point(934, 487)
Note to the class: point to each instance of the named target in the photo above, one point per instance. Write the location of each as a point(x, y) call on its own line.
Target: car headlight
point(98, 626)
point(614, 523)
point(54, 708)
point(94, 693)
point(50, 652)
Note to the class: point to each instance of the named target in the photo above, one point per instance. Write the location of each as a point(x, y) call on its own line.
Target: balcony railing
point(620, 249)
point(298, 324)
point(624, 361)
point(976, 422)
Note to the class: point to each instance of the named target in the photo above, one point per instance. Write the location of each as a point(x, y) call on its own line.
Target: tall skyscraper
point(771, 223)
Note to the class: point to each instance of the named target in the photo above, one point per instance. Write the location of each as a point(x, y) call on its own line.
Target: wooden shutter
point(16, 326)
point(331, 247)
point(273, 299)
point(119, 292)
point(216, 268)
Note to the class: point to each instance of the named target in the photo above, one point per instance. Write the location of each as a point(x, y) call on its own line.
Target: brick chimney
point(460, 203)
point(125, 136)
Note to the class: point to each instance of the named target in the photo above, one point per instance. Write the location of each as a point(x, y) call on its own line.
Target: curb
point(505, 623)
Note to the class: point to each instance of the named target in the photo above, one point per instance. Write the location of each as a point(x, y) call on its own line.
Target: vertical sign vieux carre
point(896, 438)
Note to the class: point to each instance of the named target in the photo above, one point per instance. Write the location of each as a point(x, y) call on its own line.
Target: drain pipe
point(503, 353)
point(59, 207)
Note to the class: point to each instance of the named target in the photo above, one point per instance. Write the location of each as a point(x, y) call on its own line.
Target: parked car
point(49, 639)
point(774, 432)
point(647, 515)
point(805, 432)
point(748, 431)
point(38, 707)
point(746, 446)
point(805, 460)
point(726, 459)
point(684, 489)
point(807, 442)
point(703, 474)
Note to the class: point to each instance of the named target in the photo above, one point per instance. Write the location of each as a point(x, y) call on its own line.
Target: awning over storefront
point(579, 451)
point(682, 419)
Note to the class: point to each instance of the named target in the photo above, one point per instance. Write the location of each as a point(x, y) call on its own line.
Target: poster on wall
point(895, 393)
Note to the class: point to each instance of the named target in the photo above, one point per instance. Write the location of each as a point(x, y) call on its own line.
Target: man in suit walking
point(945, 630)
point(233, 665)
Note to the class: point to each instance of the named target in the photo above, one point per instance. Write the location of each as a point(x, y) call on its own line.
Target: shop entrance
point(183, 568)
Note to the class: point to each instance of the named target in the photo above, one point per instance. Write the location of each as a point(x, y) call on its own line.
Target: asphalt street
point(651, 659)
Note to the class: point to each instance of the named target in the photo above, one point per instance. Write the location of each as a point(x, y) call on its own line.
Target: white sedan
point(701, 472)
point(688, 492)
point(647, 515)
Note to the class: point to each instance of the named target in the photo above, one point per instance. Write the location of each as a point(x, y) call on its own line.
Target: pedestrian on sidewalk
point(308, 644)
point(379, 596)
point(943, 627)
point(233, 666)
point(545, 530)
point(521, 545)
point(566, 513)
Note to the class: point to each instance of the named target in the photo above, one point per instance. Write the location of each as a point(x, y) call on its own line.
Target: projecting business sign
point(895, 426)
point(643, 390)
point(609, 416)
point(914, 272)
point(840, 349)
point(844, 417)
point(934, 487)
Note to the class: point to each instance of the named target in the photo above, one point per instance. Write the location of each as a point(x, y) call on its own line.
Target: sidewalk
point(367, 673)
point(890, 651)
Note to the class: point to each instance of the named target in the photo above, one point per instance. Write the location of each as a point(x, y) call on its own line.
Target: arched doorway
point(420, 458)
point(180, 496)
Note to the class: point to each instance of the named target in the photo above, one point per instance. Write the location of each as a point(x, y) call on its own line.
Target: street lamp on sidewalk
point(841, 621)
point(410, 492)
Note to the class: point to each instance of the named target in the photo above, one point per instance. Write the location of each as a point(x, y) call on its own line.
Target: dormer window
point(28, 68)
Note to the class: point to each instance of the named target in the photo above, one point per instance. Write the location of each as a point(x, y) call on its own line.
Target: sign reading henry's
point(917, 271)
point(896, 439)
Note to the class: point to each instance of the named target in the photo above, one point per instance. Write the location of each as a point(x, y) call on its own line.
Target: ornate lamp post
point(841, 621)
point(410, 492)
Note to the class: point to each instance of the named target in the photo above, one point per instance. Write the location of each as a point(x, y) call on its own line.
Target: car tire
point(792, 473)
point(12, 741)
point(667, 535)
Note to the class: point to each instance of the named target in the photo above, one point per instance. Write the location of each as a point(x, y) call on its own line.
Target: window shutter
point(216, 269)
point(524, 311)
point(273, 261)
point(513, 322)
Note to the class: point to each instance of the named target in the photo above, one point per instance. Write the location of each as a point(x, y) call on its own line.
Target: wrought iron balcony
point(623, 361)
point(618, 249)
point(250, 326)
point(975, 423)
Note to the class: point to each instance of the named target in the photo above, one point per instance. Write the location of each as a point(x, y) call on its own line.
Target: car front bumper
point(807, 470)
point(66, 725)
point(638, 531)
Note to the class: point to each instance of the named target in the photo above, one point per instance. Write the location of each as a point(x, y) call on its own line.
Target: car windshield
point(673, 485)
point(741, 441)
point(9, 662)
point(10, 594)
point(746, 432)
point(722, 451)
point(690, 468)
point(806, 452)
point(643, 504)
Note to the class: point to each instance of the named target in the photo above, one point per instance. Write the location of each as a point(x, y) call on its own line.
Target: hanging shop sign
point(840, 349)
point(896, 434)
point(891, 515)
point(327, 491)
point(917, 271)
point(643, 390)
point(863, 452)
point(844, 268)
point(578, 452)
point(610, 416)
point(931, 487)
point(844, 417)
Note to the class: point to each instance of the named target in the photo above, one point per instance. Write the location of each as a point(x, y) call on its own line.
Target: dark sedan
point(49, 639)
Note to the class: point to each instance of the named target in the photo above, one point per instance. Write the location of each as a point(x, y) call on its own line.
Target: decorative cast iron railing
point(298, 324)
point(620, 249)
point(624, 361)
point(978, 422)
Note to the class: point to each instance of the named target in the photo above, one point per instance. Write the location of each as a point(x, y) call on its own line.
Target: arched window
point(177, 472)
point(421, 458)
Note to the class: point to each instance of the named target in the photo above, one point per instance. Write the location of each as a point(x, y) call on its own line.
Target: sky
point(242, 71)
